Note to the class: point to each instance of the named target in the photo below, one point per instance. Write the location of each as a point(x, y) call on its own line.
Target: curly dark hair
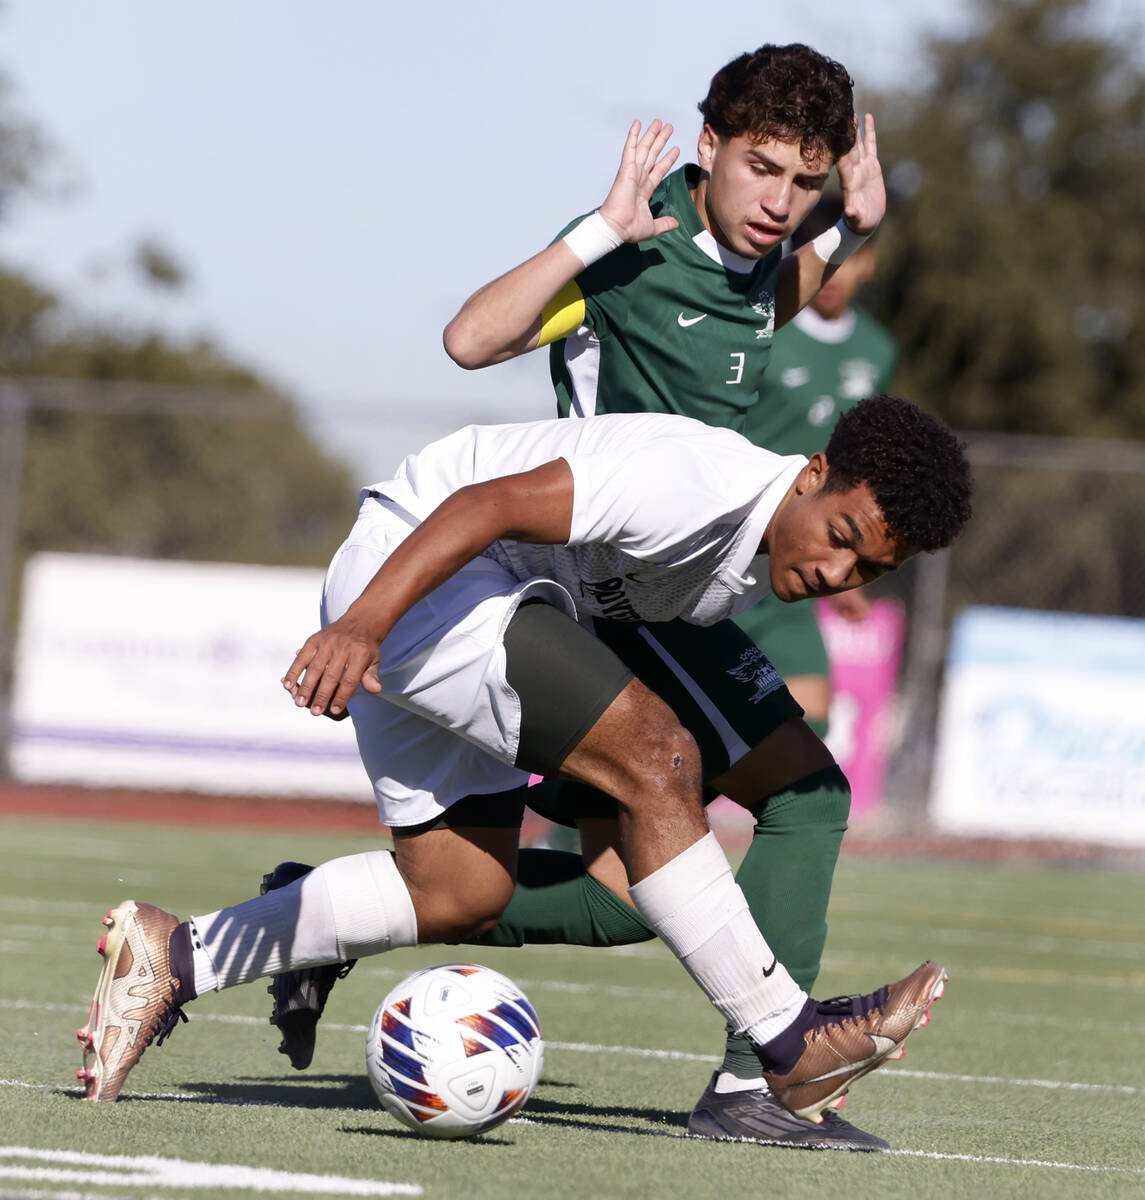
point(914, 465)
point(789, 92)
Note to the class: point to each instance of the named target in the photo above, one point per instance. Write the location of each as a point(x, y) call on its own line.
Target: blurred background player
point(667, 299)
point(830, 356)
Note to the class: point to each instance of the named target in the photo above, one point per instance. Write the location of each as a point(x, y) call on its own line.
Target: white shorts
point(446, 723)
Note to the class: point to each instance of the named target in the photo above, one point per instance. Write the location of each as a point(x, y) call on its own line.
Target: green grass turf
point(1028, 1083)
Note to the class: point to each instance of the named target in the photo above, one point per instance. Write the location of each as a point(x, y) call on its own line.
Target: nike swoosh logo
point(684, 321)
point(769, 971)
point(883, 1046)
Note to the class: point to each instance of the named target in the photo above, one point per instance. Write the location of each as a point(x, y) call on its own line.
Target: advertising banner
point(1042, 729)
point(166, 675)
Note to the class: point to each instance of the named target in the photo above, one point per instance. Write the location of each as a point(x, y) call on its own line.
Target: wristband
point(593, 238)
point(838, 244)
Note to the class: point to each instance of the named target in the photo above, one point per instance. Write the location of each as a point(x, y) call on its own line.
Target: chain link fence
point(1057, 527)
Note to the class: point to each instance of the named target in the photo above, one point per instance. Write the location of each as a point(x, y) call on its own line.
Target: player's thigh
point(582, 711)
point(448, 721)
point(565, 680)
point(721, 686)
point(600, 850)
point(718, 683)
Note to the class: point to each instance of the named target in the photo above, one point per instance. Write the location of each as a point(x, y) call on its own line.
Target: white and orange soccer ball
point(454, 1050)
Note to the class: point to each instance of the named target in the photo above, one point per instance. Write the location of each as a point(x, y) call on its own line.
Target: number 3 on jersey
point(738, 358)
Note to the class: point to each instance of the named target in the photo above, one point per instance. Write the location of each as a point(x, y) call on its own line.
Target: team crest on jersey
point(857, 378)
point(755, 668)
point(762, 303)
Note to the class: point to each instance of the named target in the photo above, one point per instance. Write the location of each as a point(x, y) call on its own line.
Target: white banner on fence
point(1042, 731)
point(161, 674)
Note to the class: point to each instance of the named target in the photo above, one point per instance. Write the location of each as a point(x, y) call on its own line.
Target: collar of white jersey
point(742, 573)
point(808, 321)
point(705, 242)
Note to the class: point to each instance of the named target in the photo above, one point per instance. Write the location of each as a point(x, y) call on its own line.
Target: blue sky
point(337, 177)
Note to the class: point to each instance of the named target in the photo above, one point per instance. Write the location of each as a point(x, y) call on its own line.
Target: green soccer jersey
point(818, 370)
point(676, 324)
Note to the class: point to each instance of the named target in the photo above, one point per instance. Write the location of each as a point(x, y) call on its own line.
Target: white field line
point(933, 1155)
point(1015, 1162)
point(154, 1171)
point(1130, 981)
point(674, 1055)
point(119, 1170)
point(885, 1072)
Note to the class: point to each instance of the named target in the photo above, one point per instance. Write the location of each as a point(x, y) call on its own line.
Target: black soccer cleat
point(299, 996)
point(757, 1116)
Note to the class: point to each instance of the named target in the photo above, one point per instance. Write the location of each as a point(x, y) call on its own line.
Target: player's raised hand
point(861, 177)
point(642, 168)
point(331, 666)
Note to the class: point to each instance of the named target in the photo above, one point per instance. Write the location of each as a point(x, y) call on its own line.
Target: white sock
point(727, 1083)
point(698, 910)
point(206, 977)
point(347, 908)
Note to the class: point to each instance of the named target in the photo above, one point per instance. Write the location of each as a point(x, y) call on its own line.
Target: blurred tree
point(251, 487)
point(23, 149)
point(158, 266)
point(1012, 261)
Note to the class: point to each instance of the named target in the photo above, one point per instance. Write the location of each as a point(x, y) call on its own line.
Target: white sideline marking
point(933, 1155)
point(644, 1052)
point(1012, 1018)
point(633, 1051)
point(1120, 1089)
point(1013, 1162)
point(884, 1072)
point(120, 1170)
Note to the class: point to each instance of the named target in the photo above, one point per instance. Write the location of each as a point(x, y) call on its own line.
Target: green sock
point(786, 878)
point(557, 900)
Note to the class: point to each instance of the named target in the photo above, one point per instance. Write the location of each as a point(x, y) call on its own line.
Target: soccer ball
point(454, 1050)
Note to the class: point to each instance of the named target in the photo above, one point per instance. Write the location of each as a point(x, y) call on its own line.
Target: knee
point(663, 758)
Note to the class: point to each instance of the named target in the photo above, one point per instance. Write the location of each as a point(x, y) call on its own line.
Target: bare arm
point(803, 273)
point(504, 318)
point(534, 506)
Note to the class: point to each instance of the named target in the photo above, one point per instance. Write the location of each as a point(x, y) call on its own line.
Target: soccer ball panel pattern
point(454, 1050)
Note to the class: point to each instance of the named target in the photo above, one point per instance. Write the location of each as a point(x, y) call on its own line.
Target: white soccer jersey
point(668, 513)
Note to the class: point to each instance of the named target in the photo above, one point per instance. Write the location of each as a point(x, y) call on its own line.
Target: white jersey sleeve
point(656, 499)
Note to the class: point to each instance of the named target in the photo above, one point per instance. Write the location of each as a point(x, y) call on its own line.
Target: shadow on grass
point(354, 1092)
point(566, 1114)
point(308, 1091)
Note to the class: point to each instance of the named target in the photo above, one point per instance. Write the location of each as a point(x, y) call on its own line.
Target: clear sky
point(338, 176)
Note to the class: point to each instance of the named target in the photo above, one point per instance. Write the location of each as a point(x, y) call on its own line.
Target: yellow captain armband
point(563, 313)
